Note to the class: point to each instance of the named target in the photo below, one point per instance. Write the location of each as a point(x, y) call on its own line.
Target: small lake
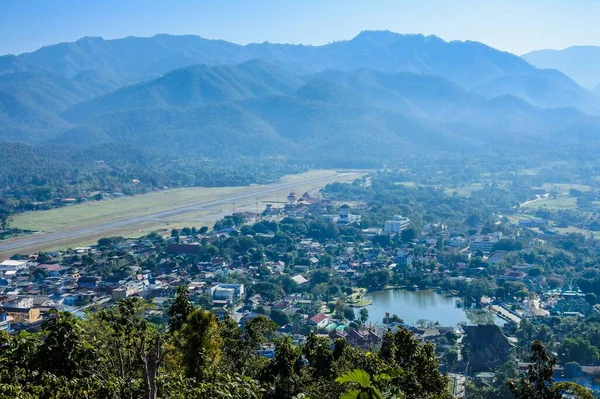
point(416, 305)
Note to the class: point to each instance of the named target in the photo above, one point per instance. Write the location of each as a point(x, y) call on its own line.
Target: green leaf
point(353, 394)
point(382, 377)
point(357, 376)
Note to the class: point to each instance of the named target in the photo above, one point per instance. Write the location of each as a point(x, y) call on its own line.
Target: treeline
point(32, 177)
point(117, 353)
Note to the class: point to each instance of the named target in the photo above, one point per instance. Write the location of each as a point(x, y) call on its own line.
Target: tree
point(366, 389)
point(364, 315)
point(591, 298)
point(279, 317)
point(408, 235)
point(180, 309)
point(539, 383)
point(200, 343)
point(133, 348)
point(578, 349)
point(64, 352)
point(451, 358)
point(421, 377)
point(349, 313)
point(285, 371)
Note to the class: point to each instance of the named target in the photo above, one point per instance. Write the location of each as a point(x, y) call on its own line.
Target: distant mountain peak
point(89, 39)
point(385, 37)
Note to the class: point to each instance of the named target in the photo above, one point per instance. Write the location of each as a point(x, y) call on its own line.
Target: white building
point(346, 217)
point(13, 265)
point(396, 225)
point(228, 292)
point(484, 243)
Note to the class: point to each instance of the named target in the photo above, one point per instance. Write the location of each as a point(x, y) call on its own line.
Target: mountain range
point(366, 99)
point(582, 63)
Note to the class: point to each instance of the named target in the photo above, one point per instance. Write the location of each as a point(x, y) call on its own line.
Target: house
point(20, 315)
point(532, 222)
point(457, 242)
point(488, 346)
point(88, 282)
point(346, 217)
point(299, 279)
point(227, 292)
point(496, 258)
point(365, 338)
point(13, 265)
point(396, 225)
point(319, 320)
point(404, 257)
point(484, 243)
point(184, 249)
point(5, 322)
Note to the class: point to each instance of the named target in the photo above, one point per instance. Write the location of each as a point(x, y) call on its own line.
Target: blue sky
point(517, 26)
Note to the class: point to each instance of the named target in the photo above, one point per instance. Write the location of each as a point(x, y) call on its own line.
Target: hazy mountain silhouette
point(368, 98)
point(469, 64)
point(582, 63)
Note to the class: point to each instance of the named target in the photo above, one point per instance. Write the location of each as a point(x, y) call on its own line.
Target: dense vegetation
point(84, 122)
point(117, 353)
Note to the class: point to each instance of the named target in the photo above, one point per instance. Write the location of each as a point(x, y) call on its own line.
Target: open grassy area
point(587, 233)
point(561, 202)
point(91, 212)
point(563, 188)
point(125, 207)
point(519, 216)
point(464, 191)
point(405, 183)
point(72, 218)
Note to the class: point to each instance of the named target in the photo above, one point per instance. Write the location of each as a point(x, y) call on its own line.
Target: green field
point(587, 233)
point(561, 202)
point(99, 212)
point(91, 212)
point(563, 188)
point(464, 191)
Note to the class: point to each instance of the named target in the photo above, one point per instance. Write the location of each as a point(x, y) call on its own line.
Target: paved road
point(47, 238)
point(505, 314)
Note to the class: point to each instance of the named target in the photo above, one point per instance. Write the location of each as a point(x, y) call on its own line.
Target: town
point(313, 266)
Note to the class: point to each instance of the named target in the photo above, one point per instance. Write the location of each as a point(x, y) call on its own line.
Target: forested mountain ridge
point(193, 86)
point(379, 98)
point(470, 64)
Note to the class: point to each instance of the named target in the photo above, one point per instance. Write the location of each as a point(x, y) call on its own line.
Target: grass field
point(587, 233)
point(94, 213)
point(561, 202)
point(464, 191)
point(563, 188)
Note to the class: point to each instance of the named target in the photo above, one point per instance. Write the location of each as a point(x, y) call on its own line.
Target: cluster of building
point(30, 288)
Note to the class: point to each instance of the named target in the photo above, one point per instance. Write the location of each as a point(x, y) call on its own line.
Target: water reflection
point(421, 305)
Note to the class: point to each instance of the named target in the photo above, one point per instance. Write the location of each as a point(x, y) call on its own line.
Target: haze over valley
point(358, 101)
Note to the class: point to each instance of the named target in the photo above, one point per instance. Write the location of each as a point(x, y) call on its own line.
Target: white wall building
point(396, 225)
point(229, 292)
point(484, 243)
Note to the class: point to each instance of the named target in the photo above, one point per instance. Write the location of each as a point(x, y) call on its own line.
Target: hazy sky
point(517, 26)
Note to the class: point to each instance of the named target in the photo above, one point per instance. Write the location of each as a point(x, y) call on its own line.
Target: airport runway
point(44, 239)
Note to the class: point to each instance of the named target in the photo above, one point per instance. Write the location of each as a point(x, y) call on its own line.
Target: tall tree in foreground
point(420, 377)
point(180, 309)
point(200, 344)
point(539, 382)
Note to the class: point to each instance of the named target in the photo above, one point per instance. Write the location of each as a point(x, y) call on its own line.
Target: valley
point(159, 211)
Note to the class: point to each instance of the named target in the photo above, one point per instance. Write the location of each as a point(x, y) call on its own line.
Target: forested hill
point(358, 103)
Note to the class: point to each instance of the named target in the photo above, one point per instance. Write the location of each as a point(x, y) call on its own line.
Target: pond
point(423, 304)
